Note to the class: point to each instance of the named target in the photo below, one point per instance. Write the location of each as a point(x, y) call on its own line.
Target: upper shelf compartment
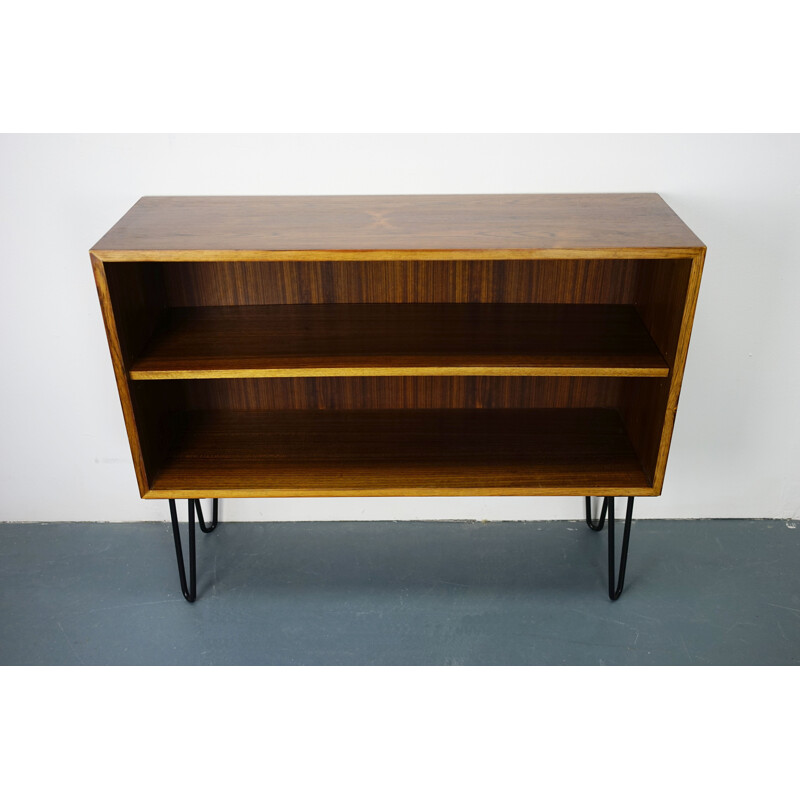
point(377, 339)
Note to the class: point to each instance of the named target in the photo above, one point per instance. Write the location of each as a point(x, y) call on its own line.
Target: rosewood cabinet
point(410, 345)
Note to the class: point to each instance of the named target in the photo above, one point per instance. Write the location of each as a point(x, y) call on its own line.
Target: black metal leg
point(615, 590)
point(614, 587)
point(602, 521)
point(189, 592)
point(214, 511)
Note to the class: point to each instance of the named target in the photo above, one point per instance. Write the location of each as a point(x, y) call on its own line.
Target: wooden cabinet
point(412, 345)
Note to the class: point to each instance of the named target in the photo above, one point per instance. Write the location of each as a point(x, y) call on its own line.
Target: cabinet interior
point(481, 377)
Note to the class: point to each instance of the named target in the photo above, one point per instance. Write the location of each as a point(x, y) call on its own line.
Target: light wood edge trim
point(314, 372)
point(395, 255)
point(677, 372)
point(590, 491)
point(119, 372)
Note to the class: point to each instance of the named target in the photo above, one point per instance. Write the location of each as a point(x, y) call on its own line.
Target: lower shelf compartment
point(327, 453)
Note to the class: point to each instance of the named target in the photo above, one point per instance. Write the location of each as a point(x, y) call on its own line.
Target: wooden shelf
point(400, 339)
point(578, 451)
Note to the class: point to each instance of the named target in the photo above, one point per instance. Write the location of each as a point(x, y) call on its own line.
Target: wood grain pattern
point(660, 296)
point(223, 283)
point(138, 301)
point(666, 295)
point(426, 392)
point(660, 299)
point(406, 339)
point(400, 453)
point(687, 319)
point(118, 363)
point(171, 227)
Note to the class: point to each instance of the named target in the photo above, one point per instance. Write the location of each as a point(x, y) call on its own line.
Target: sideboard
point(399, 346)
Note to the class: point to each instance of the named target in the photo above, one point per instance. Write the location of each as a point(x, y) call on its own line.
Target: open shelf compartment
point(394, 435)
point(399, 339)
point(478, 376)
point(399, 452)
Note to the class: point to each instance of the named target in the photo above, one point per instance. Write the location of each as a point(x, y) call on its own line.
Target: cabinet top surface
point(333, 226)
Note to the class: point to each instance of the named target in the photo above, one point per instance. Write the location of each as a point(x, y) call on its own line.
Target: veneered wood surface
point(224, 283)
point(138, 301)
point(418, 392)
point(660, 298)
point(387, 225)
point(676, 376)
point(118, 363)
point(400, 453)
point(400, 339)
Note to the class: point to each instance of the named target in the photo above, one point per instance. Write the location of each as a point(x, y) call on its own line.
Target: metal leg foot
point(214, 513)
point(602, 521)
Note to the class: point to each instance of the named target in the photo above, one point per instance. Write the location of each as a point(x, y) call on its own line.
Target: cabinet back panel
point(258, 394)
point(264, 283)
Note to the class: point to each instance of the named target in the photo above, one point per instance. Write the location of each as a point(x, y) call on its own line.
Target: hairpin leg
point(614, 586)
point(189, 592)
point(190, 589)
point(614, 591)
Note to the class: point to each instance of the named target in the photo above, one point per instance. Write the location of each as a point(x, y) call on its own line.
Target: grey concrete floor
point(402, 593)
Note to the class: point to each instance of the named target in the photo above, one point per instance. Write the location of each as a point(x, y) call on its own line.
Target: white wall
point(63, 450)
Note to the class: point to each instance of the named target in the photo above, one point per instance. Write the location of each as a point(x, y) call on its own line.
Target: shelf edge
point(586, 491)
point(398, 255)
point(318, 372)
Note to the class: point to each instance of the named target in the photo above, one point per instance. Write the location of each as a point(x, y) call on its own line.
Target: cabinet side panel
point(679, 365)
point(154, 409)
point(502, 281)
point(120, 374)
point(260, 394)
point(660, 300)
point(666, 297)
point(138, 299)
point(643, 407)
